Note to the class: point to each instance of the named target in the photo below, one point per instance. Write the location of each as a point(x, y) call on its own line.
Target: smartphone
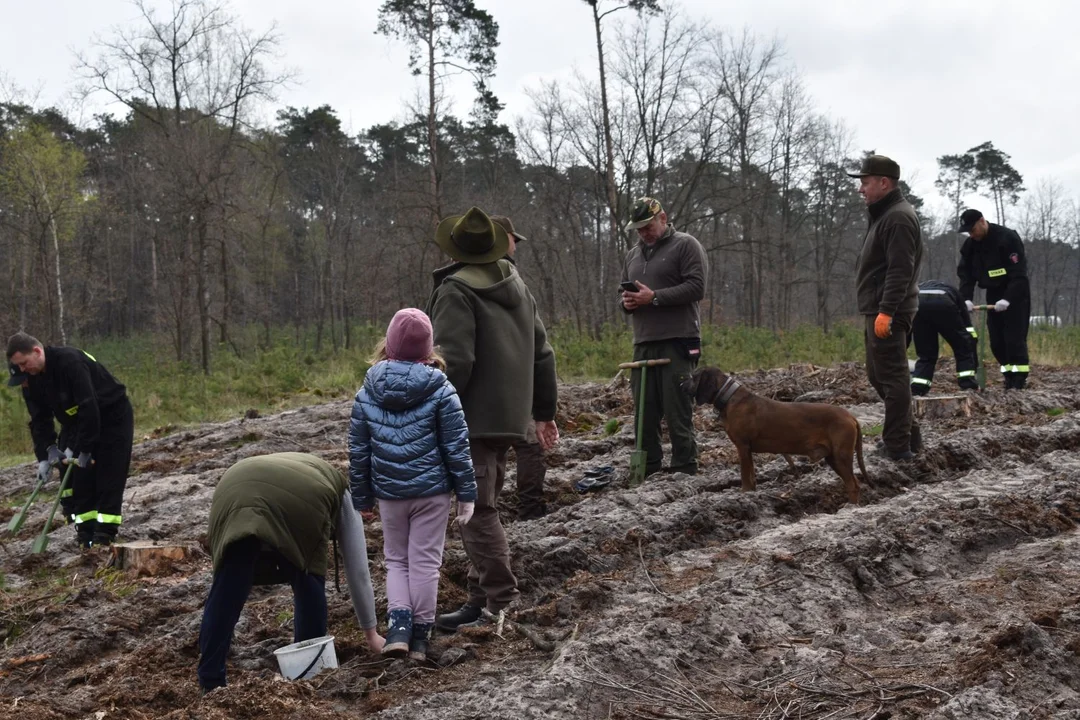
point(629, 286)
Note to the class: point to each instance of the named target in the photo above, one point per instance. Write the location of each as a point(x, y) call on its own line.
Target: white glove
point(464, 512)
point(970, 305)
point(44, 468)
point(1001, 305)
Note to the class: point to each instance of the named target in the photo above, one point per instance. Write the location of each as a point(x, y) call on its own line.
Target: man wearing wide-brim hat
point(496, 350)
point(887, 293)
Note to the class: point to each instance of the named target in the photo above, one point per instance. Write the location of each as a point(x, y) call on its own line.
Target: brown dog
point(758, 425)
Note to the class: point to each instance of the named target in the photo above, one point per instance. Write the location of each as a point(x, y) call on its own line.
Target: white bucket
point(306, 658)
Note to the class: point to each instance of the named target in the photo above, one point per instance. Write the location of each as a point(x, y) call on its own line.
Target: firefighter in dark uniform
point(96, 429)
point(993, 257)
point(942, 311)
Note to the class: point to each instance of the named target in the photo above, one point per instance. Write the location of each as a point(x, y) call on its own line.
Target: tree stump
point(942, 406)
point(149, 557)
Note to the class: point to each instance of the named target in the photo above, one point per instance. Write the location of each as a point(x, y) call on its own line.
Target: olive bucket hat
point(472, 238)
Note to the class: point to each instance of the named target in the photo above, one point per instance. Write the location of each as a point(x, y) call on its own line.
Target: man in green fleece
point(271, 520)
point(887, 292)
point(499, 360)
point(669, 270)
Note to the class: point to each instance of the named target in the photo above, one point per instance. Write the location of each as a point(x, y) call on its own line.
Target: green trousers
point(664, 400)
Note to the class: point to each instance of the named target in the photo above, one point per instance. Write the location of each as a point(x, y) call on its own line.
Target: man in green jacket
point(499, 360)
point(271, 521)
point(669, 269)
point(887, 292)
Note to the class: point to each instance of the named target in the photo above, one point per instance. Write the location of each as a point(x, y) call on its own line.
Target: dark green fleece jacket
point(496, 349)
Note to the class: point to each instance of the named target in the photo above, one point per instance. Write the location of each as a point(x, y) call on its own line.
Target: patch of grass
point(115, 582)
point(872, 430)
point(283, 617)
point(612, 426)
point(1054, 412)
point(252, 374)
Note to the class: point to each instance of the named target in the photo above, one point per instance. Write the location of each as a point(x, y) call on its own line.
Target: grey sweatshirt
point(675, 268)
point(350, 533)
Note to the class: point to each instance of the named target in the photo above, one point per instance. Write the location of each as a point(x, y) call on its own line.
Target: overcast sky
point(914, 80)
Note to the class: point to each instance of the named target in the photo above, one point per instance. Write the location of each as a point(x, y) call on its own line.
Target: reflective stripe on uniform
point(974, 334)
point(73, 410)
point(931, 292)
point(920, 381)
point(83, 517)
point(89, 356)
point(996, 273)
point(1016, 368)
point(109, 519)
point(68, 492)
point(965, 373)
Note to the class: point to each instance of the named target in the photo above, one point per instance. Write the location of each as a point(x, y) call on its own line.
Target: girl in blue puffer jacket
point(409, 449)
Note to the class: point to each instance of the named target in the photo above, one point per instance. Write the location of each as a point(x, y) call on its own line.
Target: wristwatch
point(655, 300)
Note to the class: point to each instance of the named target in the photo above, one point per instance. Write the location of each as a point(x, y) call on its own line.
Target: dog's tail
point(858, 451)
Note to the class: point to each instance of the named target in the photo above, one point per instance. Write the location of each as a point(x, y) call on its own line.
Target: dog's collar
point(726, 391)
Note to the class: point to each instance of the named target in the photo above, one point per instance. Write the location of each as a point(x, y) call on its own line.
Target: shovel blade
point(40, 544)
point(18, 520)
point(637, 467)
point(20, 517)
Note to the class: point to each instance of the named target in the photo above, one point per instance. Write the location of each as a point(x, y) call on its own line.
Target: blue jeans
point(229, 592)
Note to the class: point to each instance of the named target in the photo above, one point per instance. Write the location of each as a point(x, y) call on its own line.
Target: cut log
point(149, 557)
point(942, 406)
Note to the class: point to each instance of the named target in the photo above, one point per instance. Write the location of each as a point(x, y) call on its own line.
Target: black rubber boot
point(399, 633)
point(84, 540)
point(421, 637)
point(451, 621)
point(916, 439)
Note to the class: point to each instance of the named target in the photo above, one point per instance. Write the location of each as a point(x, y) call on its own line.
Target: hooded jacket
point(887, 274)
point(496, 349)
point(407, 437)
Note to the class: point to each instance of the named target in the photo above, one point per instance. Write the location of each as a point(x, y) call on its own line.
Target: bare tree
point(194, 78)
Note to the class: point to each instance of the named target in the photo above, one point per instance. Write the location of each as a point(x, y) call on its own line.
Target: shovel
point(42, 540)
point(980, 372)
point(637, 457)
point(20, 517)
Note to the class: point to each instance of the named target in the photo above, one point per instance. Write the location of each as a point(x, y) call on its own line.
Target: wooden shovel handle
point(644, 363)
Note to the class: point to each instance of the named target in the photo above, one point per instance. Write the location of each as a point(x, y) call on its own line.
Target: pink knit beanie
point(409, 336)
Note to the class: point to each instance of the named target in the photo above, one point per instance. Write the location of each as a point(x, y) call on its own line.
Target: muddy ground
point(952, 591)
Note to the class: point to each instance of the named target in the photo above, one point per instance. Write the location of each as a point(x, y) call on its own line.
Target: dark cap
point(18, 377)
point(878, 165)
point(505, 223)
point(968, 220)
point(643, 212)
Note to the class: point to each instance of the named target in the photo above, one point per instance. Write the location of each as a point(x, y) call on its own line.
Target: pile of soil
point(952, 591)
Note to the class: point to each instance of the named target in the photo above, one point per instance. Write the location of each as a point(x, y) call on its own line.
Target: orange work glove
point(883, 326)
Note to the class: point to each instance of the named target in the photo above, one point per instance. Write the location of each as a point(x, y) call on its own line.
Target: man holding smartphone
point(662, 284)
